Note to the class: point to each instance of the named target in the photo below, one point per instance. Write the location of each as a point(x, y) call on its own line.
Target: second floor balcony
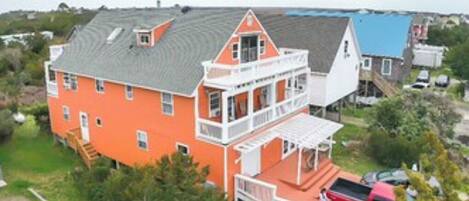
point(252, 95)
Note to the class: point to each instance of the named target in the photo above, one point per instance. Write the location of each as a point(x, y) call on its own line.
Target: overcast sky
point(443, 6)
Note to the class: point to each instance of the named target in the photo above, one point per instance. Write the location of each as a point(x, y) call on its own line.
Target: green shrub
point(7, 125)
point(29, 128)
point(392, 151)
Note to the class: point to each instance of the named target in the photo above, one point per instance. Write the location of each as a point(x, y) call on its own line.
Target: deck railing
point(77, 144)
point(253, 189)
point(225, 133)
point(287, 60)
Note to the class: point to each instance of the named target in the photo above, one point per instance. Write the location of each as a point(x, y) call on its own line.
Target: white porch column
point(273, 97)
point(316, 155)
point(250, 107)
point(224, 119)
point(298, 175)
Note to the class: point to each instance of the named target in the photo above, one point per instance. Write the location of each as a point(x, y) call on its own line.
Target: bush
point(392, 151)
point(7, 125)
point(29, 128)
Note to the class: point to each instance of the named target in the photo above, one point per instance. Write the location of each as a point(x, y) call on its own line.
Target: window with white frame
point(367, 62)
point(129, 92)
point(51, 74)
point(182, 148)
point(66, 80)
point(235, 51)
point(73, 82)
point(66, 112)
point(167, 103)
point(99, 86)
point(262, 46)
point(287, 148)
point(386, 67)
point(144, 39)
point(214, 101)
point(142, 140)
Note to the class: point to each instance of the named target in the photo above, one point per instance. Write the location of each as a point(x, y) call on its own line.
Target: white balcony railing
point(225, 133)
point(52, 89)
point(232, 75)
point(247, 188)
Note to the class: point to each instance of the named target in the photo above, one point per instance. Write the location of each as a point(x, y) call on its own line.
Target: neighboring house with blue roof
point(385, 42)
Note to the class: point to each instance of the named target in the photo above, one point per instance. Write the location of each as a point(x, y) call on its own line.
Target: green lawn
point(353, 159)
point(357, 112)
point(31, 159)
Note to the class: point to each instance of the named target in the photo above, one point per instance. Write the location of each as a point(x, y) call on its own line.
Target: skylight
point(114, 34)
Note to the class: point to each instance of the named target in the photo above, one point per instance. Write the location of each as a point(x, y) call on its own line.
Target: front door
point(251, 162)
point(248, 49)
point(85, 132)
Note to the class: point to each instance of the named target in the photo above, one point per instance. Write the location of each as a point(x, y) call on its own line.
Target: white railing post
point(273, 101)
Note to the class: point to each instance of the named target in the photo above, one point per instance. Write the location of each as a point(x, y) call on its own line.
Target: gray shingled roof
point(173, 64)
point(320, 35)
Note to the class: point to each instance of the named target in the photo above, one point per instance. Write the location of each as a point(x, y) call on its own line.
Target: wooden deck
point(284, 175)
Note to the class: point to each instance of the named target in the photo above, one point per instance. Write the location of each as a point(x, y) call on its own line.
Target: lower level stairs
point(86, 150)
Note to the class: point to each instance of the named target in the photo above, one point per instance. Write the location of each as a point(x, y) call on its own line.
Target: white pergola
point(304, 130)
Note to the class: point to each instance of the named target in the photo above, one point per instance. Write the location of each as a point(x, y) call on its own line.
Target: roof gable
point(320, 35)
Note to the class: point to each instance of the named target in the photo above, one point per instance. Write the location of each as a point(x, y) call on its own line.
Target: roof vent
point(114, 35)
point(185, 9)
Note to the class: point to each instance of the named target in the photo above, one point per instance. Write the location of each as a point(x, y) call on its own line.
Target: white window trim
point(64, 107)
point(183, 145)
point(172, 104)
point(138, 140)
point(211, 112)
point(66, 84)
point(262, 49)
point(370, 63)
point(127, 92)
point(96, 86)
point(290, 150)
point(96, 121)
point(237, 51)
point(76, 80)
point(390, 67)
point(140, 36)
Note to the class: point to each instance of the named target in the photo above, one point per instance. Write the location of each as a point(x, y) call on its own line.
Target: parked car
point(442, 81)
point(418, 86)
point(394, 177)
point(424, 76)
point(345, 190)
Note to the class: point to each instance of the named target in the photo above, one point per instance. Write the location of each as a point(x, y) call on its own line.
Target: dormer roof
point(173, 65)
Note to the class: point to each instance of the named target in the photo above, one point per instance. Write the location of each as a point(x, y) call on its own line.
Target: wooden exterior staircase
point(382, 84)
point(87, 152)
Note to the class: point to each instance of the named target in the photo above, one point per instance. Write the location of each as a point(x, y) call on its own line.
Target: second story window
point(262, 46)
point(66, 112)
point(129, 92)
point(142, 140)
point(100, 86)
point(214, 101)
point(167, 103)
point(235, 51)
point(367, 63)
point(386, 68)
point(70, 81)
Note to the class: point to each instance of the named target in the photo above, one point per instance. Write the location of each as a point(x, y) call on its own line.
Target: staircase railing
point(387, 88)
point(74, 141)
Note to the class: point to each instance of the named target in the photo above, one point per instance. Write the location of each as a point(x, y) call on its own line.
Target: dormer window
point(145, 38)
